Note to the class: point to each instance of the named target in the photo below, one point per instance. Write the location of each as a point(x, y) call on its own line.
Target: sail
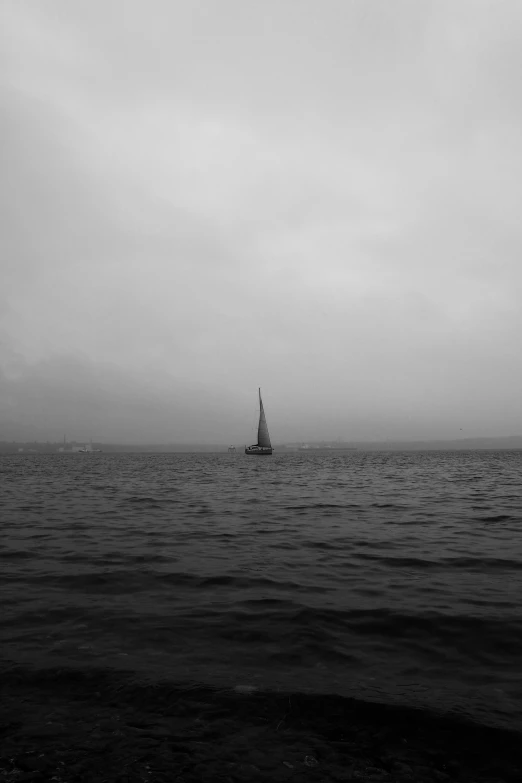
point(263, 438)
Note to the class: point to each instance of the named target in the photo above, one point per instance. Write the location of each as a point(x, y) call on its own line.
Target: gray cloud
point(319, 198)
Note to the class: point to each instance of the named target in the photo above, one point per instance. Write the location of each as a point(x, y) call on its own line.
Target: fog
point(318, 198)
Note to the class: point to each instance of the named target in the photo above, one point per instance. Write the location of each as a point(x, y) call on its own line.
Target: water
point(394, 577)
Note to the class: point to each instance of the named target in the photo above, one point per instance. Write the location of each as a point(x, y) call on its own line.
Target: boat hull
point(258, 451)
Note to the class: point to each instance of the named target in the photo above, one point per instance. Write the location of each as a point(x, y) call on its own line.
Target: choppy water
point(388, 576)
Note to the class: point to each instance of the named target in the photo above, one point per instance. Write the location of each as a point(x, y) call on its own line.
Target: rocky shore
point(100, 727)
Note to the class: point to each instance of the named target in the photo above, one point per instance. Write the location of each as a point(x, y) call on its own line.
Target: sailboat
point(263, 447)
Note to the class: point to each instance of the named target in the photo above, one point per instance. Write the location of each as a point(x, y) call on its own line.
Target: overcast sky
point(320, 197)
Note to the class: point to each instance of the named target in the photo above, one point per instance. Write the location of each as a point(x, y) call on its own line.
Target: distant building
point(86, 449)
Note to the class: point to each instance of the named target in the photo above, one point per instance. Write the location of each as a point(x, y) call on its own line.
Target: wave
point(384, 568)
point(478, 564)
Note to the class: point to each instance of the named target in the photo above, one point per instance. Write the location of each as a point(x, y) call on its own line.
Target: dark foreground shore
point(97, 726)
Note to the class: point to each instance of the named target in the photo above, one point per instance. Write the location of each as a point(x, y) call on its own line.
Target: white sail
point(263, 438)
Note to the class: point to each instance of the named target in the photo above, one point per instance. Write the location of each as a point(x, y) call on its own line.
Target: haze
point(318, 198)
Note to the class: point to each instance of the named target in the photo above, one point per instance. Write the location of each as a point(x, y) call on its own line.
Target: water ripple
point(395, 576)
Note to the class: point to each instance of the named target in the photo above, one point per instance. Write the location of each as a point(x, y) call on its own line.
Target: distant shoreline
point(511, 443)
